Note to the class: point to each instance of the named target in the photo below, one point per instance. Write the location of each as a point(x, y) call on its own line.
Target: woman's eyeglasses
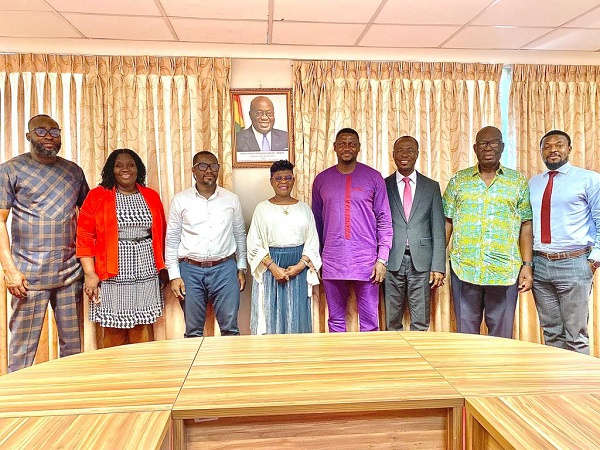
point(280, 178)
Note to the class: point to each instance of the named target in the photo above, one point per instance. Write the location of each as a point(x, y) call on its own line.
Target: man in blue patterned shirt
point(43, 191)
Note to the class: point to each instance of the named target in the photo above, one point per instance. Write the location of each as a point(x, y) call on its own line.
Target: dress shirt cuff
point(383, 253)
point(174, 272)
point(594, 254)
point(241, 264)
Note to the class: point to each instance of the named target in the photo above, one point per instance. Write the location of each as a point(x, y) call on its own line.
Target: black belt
point(136, 239)
point(206, 264)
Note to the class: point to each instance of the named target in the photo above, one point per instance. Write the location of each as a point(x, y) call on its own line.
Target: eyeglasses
point(202, 166)
point(41, 132)
point(258, 114)
point(280, 178)
point(494, 143)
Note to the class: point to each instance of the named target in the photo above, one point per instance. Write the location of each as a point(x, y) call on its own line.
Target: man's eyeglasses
point(280, 178)
point(41, 132)
point(202, 166)
point(494, 143)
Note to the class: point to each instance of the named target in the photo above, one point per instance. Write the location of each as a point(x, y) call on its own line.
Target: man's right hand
point(17, 284)
point(178, 288)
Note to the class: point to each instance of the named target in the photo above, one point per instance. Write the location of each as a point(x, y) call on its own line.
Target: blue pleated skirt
point(286, 306)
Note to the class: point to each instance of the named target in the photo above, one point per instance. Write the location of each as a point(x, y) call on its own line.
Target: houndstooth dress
point(134, 296)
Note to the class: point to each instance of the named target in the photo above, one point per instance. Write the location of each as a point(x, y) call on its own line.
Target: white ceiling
point(517, 25)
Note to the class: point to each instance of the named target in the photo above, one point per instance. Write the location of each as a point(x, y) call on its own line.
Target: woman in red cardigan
point(120, 243)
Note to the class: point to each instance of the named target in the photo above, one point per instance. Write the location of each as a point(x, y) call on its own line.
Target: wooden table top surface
point(290, 374)
point(142, 377)
point(145, 430)
point(555, 421)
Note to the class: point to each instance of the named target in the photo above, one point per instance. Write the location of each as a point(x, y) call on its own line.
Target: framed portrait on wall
point(262, 120)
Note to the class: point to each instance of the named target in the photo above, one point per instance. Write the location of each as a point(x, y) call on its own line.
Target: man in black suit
point(417, 260)
point(261, 136)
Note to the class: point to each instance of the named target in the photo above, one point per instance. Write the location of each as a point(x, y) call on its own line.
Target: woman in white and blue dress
point(283, 252)
point(120, 243)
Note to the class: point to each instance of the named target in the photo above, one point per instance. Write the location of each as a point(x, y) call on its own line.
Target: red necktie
point(545, 222)
point(407, 198)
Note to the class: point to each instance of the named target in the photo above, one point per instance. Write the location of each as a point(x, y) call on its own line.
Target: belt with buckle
point(205, 264)
point(563, 255)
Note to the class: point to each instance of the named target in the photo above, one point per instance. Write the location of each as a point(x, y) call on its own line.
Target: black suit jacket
point(425, 228)
point(245, 141)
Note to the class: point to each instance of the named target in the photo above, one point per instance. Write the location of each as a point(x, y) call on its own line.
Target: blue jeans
point(561, 290)
point(219, 284)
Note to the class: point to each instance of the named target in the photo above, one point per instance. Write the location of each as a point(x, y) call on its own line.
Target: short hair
point(108, 171)
point(203, 153)
point(282, 164)
point(556, 132)
point(347, 131)
point(408, 137)
point(35, 117)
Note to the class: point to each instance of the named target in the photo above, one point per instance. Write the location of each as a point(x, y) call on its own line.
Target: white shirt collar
point(412, 177)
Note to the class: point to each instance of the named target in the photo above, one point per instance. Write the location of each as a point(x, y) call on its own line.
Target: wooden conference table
point(353, 390)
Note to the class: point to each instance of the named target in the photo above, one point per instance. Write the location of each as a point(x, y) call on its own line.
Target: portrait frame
point(246, 150)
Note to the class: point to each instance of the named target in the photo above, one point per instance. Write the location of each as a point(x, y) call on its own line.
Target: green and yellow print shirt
point(486, 222)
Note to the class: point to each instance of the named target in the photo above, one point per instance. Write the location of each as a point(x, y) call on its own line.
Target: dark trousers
point(407, 286)
point(473, 301)
point(219, 284)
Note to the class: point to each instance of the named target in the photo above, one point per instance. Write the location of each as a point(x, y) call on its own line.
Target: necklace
point(285, 210)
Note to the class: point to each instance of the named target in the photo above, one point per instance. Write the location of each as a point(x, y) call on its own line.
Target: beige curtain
point(542, 98)
point(165, 109)
point(442, 104)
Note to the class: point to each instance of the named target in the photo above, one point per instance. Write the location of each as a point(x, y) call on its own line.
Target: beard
point(39, 148)
point(556, 165)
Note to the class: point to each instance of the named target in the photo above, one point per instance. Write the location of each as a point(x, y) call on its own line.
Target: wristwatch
point(382, 261)
point(528, 263)
point(595, 263)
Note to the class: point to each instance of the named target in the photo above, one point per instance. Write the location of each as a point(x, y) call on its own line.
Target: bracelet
point(528, 263)
point(304, 262)
point(269, 265)
point(264, 260)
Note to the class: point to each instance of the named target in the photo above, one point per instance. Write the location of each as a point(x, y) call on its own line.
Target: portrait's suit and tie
point(417, 260)
point(245, 141)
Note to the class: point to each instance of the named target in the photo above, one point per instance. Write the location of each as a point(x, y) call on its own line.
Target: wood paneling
point(407, 429)
point(139, 430)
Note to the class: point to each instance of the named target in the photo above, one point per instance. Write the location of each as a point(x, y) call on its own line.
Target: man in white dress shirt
point(205, 249)
point(566, 243)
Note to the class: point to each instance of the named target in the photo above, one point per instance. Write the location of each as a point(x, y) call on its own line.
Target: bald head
point(262, 114)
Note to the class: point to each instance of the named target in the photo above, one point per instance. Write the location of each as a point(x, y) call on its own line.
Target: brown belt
point(563, 255)
point(205, 264)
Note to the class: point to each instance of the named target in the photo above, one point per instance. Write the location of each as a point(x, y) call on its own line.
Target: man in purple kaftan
point(354, 223)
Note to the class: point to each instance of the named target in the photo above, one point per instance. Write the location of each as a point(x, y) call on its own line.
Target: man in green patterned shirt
point(488, 216)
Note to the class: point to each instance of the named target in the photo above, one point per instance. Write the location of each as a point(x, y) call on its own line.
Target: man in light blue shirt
point(566, 242)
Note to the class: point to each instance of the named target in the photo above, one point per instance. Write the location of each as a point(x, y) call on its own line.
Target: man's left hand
point(242, 279)
point(525, 279)
point(436, 279)
point(378, 273)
